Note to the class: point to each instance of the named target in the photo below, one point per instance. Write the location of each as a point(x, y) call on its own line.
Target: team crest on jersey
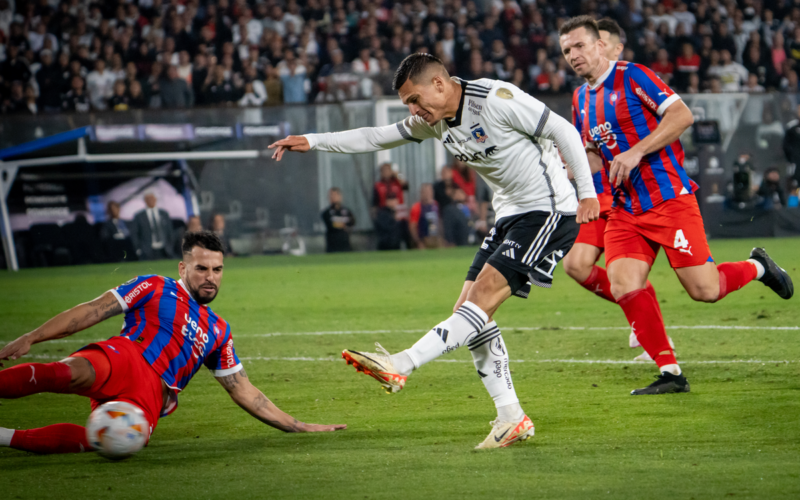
point(478, 133)
point(614, 97)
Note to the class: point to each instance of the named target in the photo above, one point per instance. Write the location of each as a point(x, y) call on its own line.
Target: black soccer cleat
point(774, 275)
point(666, 383)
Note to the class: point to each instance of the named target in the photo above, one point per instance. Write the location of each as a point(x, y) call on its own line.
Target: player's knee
point(703, 293)
point(82, 372)
point(576, 269)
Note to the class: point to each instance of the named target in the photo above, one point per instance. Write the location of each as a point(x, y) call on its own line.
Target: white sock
point(759, 268)
point(510, 413)
point(5, 436)
point(673, 369)
point(490, 356)
point(402, 363)
point(448, 335)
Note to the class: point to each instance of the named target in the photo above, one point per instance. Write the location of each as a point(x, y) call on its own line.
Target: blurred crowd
point(82, 55)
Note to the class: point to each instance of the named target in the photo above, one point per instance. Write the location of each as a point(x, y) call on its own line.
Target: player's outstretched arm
point(676, 119)
point(253, 401)
point(360, 140)
point(65, 324)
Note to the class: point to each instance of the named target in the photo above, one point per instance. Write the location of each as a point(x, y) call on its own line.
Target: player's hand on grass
point(15, 349)
point(323, 427)
point(622, 165)
point(588, 210)
point(296, 143)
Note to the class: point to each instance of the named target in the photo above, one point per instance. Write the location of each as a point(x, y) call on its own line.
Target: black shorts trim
point(526, 249)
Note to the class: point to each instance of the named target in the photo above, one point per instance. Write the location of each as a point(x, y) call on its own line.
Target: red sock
point(32, 378)
point(58, 438)
point(645, 319)
point(598, 283)
point(735, 275)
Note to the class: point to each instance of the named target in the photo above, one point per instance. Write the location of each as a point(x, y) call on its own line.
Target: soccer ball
point(117, 430)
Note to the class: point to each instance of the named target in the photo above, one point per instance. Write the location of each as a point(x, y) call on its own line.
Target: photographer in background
point(771, 192)
point(742, 180)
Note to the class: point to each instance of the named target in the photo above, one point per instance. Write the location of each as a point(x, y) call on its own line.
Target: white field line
point(506, 329)
point(560, 361)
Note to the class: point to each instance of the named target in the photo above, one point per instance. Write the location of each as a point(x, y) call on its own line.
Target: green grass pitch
point(737, 434)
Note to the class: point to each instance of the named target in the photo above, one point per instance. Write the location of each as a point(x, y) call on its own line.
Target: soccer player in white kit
point(510, 139)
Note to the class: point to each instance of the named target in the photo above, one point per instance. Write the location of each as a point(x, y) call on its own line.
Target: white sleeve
point(571, 148)
point(369, 139)
point(532, 118)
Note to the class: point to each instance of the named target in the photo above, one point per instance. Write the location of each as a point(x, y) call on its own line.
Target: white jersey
point(505, 135)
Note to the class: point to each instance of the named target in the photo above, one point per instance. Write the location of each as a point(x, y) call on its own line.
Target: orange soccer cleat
point(506, 433)
point(377, 365)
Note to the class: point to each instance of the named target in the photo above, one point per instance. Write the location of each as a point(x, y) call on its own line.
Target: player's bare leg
point(580, 264)
point(712, 282)
point(68, 376)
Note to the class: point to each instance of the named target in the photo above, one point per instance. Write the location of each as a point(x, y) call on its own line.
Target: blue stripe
point(185, 356)
point(642, 131)
point(685, 180)
point(166, 314)
point(44, 142)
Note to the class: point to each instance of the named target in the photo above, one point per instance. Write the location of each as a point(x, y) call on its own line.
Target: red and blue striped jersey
point(622, 109)
point(601, 184)
point(176, 334)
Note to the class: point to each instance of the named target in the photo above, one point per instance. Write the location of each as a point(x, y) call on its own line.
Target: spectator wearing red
point(423, 222)
point(464, 178)
point(390, 182)
point(662, 66)
point(686, 64)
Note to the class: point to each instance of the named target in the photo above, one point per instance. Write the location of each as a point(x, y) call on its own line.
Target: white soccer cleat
point(377, 365)
point(646, 357)
point(506, 433)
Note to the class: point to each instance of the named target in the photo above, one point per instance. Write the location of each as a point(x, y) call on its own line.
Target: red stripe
point(625, 123)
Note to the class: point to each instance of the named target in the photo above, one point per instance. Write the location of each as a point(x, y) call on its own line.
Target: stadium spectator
point(770, 192)
point(136, 99)
point(194, 224)
point(339, 221)
point(732, 75)
point(15, 102)
point(218, 227)
point(75, 99)
point(175, 92)
point(423, 220)
point(100, 85)
point(390, 227)
point(663, 67)
point(455, 223)
point(686, 64)
point(791, 144)
point(115, 237)
point(389, 183)
point(152, 231)
point(752, 86)
point(120, 101)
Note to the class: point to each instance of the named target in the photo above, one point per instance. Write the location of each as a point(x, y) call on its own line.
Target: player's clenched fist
point(296, 143)
point(588, 210)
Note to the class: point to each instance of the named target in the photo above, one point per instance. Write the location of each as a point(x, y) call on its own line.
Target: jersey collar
point(604, 76)
point(456, 122)
point(183, 285)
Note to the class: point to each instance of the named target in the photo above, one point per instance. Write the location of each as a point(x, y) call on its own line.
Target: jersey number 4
point(681, 243)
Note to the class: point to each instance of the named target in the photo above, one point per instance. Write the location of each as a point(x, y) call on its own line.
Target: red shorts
point(593, 233)
point(122, 374)
point(675, 224)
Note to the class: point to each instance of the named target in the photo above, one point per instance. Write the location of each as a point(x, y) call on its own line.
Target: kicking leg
point(58, 438)
point(483, 298)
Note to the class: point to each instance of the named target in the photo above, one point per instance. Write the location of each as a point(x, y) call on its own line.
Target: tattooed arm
point(253, 401)
point(65, 324)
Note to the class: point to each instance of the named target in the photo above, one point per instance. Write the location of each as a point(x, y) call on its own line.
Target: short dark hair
point(336, 190)
point(203, 239)
point(611, 26)
point(413, 66)
point(573, 23)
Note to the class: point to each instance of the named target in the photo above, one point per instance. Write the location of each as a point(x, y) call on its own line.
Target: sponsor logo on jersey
point(467, 157)
point(478, 133)
point(474, 107)
point(137, 291)
point(509, 253)
point(602, 133)
point(646, 98)
point(511, 243)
